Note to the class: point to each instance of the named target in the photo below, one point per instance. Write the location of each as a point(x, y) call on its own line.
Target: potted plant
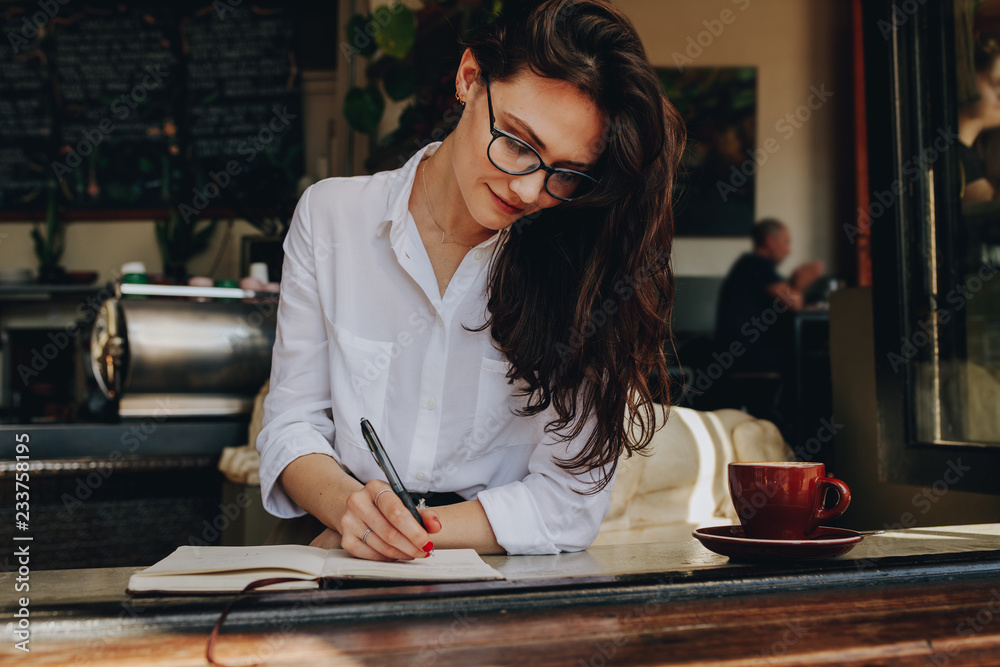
point(49, 245)
point(179, 241)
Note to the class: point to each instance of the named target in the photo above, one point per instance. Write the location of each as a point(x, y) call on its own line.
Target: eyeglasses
point(513, 156)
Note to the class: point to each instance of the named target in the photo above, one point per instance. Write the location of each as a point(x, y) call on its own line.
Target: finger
point(355, 528)
point(432, 522)
point(402, 530)
point(354, 546)
point(378, 490)
point(362, 514)
point(384, 548)
point(390, 527)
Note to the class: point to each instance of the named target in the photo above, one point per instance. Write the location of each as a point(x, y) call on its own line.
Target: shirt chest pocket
point(359, 375)
point(495, 426)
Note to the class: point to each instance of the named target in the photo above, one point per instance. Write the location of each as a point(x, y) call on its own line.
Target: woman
point(494, 307)
point(975, 119)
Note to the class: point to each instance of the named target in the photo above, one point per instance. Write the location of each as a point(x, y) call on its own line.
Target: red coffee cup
point(778, 500)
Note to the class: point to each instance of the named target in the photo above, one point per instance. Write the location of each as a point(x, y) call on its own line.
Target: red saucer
point(729, 541)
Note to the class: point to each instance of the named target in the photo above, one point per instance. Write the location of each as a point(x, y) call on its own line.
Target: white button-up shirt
point(363, 331)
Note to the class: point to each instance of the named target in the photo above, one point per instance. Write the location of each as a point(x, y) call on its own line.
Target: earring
point(459, 98)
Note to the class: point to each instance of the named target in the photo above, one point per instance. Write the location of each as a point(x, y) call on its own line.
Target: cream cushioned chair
point(682, 483)
point(241, 465)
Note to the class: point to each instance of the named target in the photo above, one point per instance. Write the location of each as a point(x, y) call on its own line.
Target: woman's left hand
point(328, 539)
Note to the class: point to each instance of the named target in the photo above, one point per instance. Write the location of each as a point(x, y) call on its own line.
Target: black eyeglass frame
point(549, 170)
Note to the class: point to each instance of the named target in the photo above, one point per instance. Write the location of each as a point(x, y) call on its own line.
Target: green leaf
point(200, 238)
point(36, 236)
point(56, 253)
point(410, 116)
point(359, 40)
point(363, 108)
point(400, 80)
point(161, 239)
point(397, 30)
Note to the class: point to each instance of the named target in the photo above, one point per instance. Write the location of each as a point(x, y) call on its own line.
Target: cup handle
point(820, 513)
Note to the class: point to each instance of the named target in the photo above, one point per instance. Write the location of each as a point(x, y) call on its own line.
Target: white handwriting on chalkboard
point(31, 28)
point(122, 107)
point(279, 122)
point(249, 148)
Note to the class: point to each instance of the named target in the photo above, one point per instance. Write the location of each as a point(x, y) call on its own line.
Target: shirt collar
point(399, 202)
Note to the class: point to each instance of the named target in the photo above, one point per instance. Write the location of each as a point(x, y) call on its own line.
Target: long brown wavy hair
point(580, 294)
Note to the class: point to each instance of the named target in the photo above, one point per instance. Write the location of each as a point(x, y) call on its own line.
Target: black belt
point(433, 499)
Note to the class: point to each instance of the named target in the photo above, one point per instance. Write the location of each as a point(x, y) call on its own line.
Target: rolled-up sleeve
point(549, 510)
point(297, 416)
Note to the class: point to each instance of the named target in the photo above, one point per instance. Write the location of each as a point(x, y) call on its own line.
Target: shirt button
point(477, 255)
point(440, 322)
point(431, 403)
point(420, 475)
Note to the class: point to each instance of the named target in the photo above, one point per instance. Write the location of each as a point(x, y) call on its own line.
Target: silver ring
point(379, 494)
point(365, 536)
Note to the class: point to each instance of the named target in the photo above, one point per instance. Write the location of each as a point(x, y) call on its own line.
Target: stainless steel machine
point(183, 351)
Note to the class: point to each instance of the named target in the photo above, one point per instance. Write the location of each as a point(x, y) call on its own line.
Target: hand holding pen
point(391, 527)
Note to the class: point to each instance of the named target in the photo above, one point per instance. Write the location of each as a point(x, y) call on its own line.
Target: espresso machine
point(163, 380)
point(182, 351)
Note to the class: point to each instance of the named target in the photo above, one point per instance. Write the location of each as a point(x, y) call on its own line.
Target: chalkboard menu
point(243, 108)
point(143, 106)
point(25, 118)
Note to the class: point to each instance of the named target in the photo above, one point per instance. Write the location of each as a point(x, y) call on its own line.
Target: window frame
point(910, 96)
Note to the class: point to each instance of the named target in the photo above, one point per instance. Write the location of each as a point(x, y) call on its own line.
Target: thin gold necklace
point(427, 198)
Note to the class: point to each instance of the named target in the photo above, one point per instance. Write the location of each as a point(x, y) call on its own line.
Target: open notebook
point(192, 569)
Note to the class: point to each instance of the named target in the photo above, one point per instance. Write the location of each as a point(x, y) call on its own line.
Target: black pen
point(385, 464)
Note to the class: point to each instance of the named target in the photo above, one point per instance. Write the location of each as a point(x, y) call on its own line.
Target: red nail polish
point(427, 547)
point(438, 521)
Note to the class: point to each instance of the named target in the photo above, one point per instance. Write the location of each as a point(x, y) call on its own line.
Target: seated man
point(754, 298)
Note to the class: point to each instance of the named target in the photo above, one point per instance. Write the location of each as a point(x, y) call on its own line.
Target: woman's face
point(988, 106)
point(552, 116)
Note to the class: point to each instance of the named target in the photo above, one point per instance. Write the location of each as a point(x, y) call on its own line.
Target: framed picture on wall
point(715, 189)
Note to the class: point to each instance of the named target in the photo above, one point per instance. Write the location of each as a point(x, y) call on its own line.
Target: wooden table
point(915, 597)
